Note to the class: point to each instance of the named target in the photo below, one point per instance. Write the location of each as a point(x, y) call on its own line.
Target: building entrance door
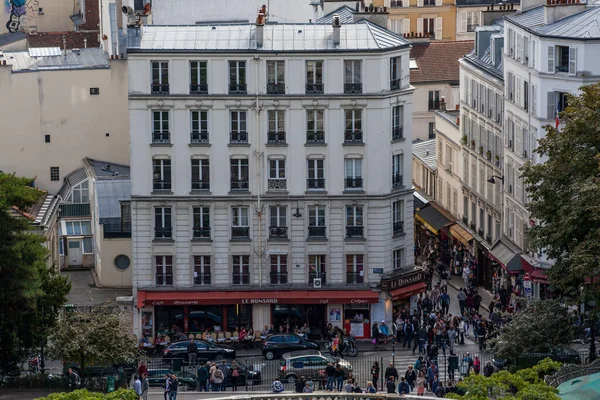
point(75, 254)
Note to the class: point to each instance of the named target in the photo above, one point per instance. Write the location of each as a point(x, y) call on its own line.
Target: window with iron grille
point(398, 216)
point(163, 228)
point(201, 222)
point(239, 174)
point(241, 269)
point(164, 270)
point(200, 174)
point(314, 126)
point(353, 173)
point(237, 77)
point(355, 273)
point(160, 76)
point(354, 222)
point(395, 73)
point(278, 222)
point(277, 178)
point(352, 76)
point(314, 77)
point(316, 268)
point(275, 77)
point(199, 132)
point(161, 178)
point(202, 274)
point(397, 179)
point(160, 127)
point(279, 275)
point(240, 222)
point(316, 221)
point(316, 174)
point(276, 133)
point(239, 134)
point(397, 122)
point(353, 132)
point(198, 77)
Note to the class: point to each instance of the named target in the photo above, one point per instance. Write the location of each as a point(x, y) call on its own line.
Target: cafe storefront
point(404, 287)
point(224, 311)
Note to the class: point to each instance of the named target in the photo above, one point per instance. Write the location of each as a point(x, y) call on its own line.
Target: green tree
point(564, 193)
point(525, 384)
point(28, 288)
point(542, 326)
point(94, 336)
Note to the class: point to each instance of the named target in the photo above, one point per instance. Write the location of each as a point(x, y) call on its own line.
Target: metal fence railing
point(571, 371)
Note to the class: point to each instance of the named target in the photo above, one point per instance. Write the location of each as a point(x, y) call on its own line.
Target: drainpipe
point(258, 154)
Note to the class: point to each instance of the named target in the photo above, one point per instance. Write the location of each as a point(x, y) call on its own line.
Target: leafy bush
point(121, 394)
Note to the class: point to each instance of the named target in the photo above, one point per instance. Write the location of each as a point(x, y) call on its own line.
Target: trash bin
point(110, 384)
point(453, 363)
point(176, 365)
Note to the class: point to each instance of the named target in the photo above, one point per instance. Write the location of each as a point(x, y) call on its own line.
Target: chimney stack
point(336, 29)
point(260, 26)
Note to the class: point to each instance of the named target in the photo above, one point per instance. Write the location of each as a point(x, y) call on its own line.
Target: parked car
point(248, 376)
point(157, 378)
point(278, 344)
point(308, 363)
point(528, 360)
point(205, 350)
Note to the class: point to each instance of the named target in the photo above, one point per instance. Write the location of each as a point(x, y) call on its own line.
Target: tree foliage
point(542, 326)
point(564, 192)
point(30, 292)
point(94, 336)
point(121, 394)
point(526, 384)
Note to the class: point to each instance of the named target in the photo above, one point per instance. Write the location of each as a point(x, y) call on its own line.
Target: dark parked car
point(157, 378)
point(528, 360)
point(205, 350)
point(253, 377)
point(276, 345)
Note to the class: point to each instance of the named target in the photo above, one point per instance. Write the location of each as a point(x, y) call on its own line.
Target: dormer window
point(79, 193)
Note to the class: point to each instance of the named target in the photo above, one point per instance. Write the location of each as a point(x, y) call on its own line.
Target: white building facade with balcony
point(271, 172)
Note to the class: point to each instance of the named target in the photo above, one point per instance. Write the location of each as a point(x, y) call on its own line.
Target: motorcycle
point(348, 347)
point(34, 363)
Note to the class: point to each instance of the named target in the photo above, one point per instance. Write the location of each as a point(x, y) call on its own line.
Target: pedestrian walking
point(73, 379)
point(203, 378)
point(445, 302)
point(234, 375)
point(330, 373)
point(374, 373)
point(217, 378)
point(391, 385)
point(409, 330)
point(174, 386)
point(461, 297)
point(411, 377)
point(137, 386)
point(403, 386)
point(391, 371)
point(481, 336)
point(226, 375)
point(167, 387)
point(420, 384)
point(192, 351)
point(339, 377)
point(451, 333)
point(462, 329)
point(145, 387)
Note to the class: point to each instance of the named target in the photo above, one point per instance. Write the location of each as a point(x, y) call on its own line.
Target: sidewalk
point(457, 282)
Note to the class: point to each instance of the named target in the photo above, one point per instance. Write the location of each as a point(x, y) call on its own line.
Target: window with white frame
point(77, 228)
point(161, 174)
point(398, 258)
point(353, 173)
point(198, 77)
point(395, 73)
point(237, 77)
point(278, 222)
point(201, 222)
point(397, 168)
point(314, 77)
point(239, 133)
point(398, 216)
point(354, 221)
point(470, 20)
point(314, 126)
point(315, 174)
point(276, 132)
point(240, 222)
point(160, 127)
point(80, 193)
point(355, 273)
point(279, 274)
point(202, 274)
point(277, 178)
point(163, 228)
point(240, 269)
point(164, 270)
point(200, 174)
point(199, 120)
point(352, 72)
point(316, 221)
point(160, 77)
point(239, 174)
point(275, 77)
point(397, 122)
point(317, 268)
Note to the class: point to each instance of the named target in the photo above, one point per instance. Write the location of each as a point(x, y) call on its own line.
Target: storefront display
point(357, 320)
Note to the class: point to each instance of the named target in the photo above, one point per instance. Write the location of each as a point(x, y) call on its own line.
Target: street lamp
point(394, 333)
point(493, 181)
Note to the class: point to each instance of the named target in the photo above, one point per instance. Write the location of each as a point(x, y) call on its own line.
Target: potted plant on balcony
point(481, 150)
point(497, 160)
point(488, 155)
point(472, 144)
point(464, 139)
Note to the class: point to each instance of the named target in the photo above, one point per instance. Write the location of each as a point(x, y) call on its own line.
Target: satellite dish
point(127, 10)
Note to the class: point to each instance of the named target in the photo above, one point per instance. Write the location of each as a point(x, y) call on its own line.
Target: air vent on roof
point(107, 168)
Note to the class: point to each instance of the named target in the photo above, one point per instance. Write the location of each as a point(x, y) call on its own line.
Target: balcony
point(397, 181)
point(238, 88)
point(240, 232)
point(116, 231)
point(161, 137)
point(164, 279)
point(241, 279)
point(398, 133)
point(239, 185)
point(277, 184)
point(355, 232)
point(314, 88)
point(313, 275)
point(317, 137)
point(276, 137)
point(353, 183)
point(278, 232)
point(396, 4)
point(201, 232)
point(163, 233)
point(480, 232)
point(160, 89)
point(395, 84)
point(238, 137)
point(279, 278)
point(353, 137)
point(488, 238)
point(352, 88)
point(199, 137)
point(317, 231)
point(161, 185)
point(398, 227)
point(472, 225)
point(276, 88)
point(74, 210)
point(434, 105)
point(315, 184)
point(200, 185)
point(201, 88)
point(465, 219)
point(202, 279)
point(355, 278)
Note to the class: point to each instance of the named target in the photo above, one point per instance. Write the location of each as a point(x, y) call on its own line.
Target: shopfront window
point(295, 316)
point(239, 316)
point(205, 318)
point(169, 319)
point(356, 313)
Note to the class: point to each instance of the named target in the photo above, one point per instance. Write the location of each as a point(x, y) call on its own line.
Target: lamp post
point(394, 333)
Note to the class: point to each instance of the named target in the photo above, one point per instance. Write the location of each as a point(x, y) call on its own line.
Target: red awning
point(539, 276)
point(264, 297)
point(408, 291)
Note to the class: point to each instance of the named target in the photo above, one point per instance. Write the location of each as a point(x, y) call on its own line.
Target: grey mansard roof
point(239, 38)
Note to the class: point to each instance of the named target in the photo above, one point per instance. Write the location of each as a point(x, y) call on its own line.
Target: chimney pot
point(260, 24)
point(336, 29)
point(116, 56)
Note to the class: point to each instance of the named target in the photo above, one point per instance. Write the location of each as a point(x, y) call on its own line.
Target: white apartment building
point(471, 13)
point(449, 161)
point(271, 174)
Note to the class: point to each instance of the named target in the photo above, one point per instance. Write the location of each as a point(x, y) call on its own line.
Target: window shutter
point(438, 3)
point(533, 100)
point(419, 3)
point(506, 133)
point(438, 28)
point(462, 21)
point(551, 59)
point(406, 24)
point(518, 139)
point(406, 3)
point(420, 24)
point(551, 111)
point(533, 55)
point(572, 60)
point(518, 91)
